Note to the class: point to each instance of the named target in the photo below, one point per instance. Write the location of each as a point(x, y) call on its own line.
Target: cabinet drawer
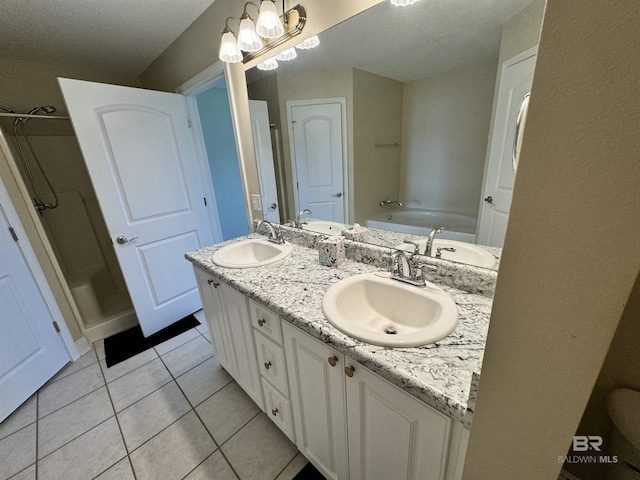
point(265, 321)
point(271, 363)
point(278, 409)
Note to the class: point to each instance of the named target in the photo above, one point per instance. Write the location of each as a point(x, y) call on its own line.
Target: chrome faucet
point(275, 235)
point(389, 202)
point(297, 223)
point(416, 246)
point(432, 234)
point(401, 270)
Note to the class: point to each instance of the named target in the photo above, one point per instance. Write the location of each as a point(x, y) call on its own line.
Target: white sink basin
point(251, 254)
point(465, 252)
point(324, 226)
point(381, 311)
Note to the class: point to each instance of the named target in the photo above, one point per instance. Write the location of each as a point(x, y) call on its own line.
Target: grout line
point(110, 467)
point(75, 438)
point(126, 449)
point(289, 463)
point(72, 373)
point(178, 346)
point(139, 366)
point(154, 436)
point(72, 402)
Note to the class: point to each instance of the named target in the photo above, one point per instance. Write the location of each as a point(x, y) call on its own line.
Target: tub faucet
point(432, 234)
point(275, 235)
point(401, 270)
point(297, 223)
point(389, 202)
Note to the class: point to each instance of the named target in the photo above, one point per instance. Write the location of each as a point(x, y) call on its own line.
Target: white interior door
point(264, 158)
point(317, 145)
point(515, 83)
point(31, 351)
point(141, 156)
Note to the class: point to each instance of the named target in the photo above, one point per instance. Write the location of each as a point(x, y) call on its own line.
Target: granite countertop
point(439, 374)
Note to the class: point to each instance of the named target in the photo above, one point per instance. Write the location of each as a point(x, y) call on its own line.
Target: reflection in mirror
point(401, 121)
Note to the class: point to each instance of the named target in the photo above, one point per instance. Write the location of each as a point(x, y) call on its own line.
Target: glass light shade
point(309, 43)
point(248, 39)
point(229, 51)
point(288, 54)
point(403, 3)
point(270, 64)
point(269, 24)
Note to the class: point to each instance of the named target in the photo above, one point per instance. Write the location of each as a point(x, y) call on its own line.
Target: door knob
point(339, 194)
point(274, 206)
point(489, 199)
point(121, 239)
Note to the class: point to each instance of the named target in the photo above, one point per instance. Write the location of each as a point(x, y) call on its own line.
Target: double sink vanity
point(371, 377)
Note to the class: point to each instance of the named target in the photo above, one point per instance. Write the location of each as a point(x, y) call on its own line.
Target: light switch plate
point(256, 202)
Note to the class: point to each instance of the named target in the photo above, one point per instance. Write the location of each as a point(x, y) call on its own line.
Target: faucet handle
point(416, 249)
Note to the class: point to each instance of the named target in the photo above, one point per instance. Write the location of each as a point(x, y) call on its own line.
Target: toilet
point(623, 405)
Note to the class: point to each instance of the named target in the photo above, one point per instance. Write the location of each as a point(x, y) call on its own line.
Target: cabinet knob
point(211, 282)
point(267, 365)
point(274, 412)
point(333, 360)
point(261, 322)
point(349, 371)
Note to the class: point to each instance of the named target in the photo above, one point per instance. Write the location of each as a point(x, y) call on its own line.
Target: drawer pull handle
point(261, 322)
point(267, 365)
point(274, 412)
point(211, 282)
point(333, 360)
point(349, 371)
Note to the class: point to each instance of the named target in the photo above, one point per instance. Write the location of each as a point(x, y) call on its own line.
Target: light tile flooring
point(168, 413)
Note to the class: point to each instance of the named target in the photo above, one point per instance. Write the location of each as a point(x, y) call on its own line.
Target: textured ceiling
point(117, 35)
point(408, 43)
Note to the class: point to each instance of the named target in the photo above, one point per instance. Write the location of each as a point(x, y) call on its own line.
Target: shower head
point(44, 109)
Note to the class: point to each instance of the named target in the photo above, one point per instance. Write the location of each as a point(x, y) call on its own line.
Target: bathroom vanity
point(355, 410)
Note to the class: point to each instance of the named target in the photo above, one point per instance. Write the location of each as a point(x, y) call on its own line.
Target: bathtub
point(419, 221)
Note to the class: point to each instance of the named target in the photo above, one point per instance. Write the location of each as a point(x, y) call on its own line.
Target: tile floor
point(168, 413)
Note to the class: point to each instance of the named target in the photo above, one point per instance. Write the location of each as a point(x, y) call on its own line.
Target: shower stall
point(48, 157)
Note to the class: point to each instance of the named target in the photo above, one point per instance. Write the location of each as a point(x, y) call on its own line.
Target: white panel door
point(141, 156)
point(316, 137)
point(264, 157)
point(31, 351)
point(515, 83)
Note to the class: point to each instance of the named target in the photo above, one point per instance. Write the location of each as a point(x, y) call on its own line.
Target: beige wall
point(570, 258)
point(445, 125)
point(377, 118)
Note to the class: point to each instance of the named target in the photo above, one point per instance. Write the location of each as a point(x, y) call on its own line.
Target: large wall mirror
point(401, 120)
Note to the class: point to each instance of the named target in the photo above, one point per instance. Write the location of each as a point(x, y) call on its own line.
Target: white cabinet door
point(317, 395)
point(392, 434)
point(230, 327)
point(213, 312)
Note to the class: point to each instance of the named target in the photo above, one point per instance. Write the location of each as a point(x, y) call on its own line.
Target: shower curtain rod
point(26, 115)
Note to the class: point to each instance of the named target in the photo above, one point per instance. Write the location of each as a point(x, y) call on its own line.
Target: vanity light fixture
point(269, 24)
point(309, 43)
point(248, 39)
point(268, 64)
point(403, 3)
point(254, 40)
point(288, 54)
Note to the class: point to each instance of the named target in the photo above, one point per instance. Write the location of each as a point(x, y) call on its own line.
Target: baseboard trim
point(82, 346)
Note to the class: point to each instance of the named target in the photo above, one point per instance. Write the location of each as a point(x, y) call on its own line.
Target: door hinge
point(13, 233)
point(55, 325)
point(205, 201)
point(189, 122)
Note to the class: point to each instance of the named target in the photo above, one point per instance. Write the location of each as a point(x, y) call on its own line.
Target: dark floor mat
point(309, 472)
point(123, 345)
